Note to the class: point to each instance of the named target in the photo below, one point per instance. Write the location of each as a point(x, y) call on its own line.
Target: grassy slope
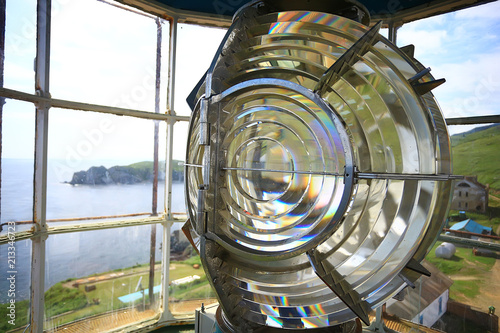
point(474, 153)
point(478, 154)
point(464, 264)
point(75, 303)
point(148, 165)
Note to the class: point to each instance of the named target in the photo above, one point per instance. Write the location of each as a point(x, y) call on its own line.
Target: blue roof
point(138, 295)
point(470, 226)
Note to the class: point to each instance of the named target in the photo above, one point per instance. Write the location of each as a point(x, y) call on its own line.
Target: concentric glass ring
point(271, 174)
point(284, 157)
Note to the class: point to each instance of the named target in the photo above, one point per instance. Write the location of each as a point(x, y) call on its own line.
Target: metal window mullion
point(2, 64)
point(185, 16)
point(170, 110)
point(475, 120)
point(72, 228)
point(78, 106)
point(167, 226)
point(152, 253)
point(393, 31)
point(42, 70)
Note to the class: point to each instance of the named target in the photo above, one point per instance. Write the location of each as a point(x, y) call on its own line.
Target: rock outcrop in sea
point(131, 174)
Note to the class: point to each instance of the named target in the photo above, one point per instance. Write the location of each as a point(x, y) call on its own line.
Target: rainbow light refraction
point(301, 146)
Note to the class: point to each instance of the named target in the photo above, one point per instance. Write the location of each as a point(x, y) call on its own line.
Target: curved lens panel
point(317, 171)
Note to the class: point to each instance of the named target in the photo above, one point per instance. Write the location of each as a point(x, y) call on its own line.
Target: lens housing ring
point(224, 221)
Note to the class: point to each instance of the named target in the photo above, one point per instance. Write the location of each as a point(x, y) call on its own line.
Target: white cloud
point(18, 77)
point(472, 87)
point(429, 41)
point(489, 11)
point(105, 60)
point(101, 55)
point(464, 49)
point(18, 129)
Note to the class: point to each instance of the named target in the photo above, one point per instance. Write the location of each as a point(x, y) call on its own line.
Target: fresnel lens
point(318, 167)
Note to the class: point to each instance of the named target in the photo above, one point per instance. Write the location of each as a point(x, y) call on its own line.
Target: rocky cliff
point(130, 174)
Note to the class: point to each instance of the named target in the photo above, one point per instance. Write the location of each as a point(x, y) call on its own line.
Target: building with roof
point(427, 302)
point(39, 30)
point(470, 226)
point(470, 195)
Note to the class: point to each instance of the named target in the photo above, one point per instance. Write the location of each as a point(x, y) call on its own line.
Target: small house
point(427, 302)
point(470, 195)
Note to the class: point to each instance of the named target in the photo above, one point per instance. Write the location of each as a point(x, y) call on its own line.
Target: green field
point(477, 154)
point(474, 270)
point(66, 302)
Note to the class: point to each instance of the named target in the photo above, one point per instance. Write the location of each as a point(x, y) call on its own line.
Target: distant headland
point(135, 173)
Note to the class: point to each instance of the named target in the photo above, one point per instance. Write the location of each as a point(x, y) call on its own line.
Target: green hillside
point(178, 166)
point(478, 154)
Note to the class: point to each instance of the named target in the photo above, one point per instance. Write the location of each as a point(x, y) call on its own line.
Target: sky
point(464, 48)
point(104, 55)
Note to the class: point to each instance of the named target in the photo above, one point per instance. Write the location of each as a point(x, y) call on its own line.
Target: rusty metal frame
point(172, 50)
point(40, 230)
point(80, 227)
point(42, 72)
point(182, 16)
point(3, 13)
point(44, 102)
point(70, 105)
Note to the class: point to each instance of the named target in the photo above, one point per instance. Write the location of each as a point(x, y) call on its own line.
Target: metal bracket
point(336, 282)
point(348, 59)
point(204, 125)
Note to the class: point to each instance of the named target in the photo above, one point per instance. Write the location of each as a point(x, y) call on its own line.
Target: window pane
point(103, 273)
point(460, 47)
point(20, 45)
point(15, 273)
point(101, 165)
point(179, 155)
point(188, 286)
point(17, 163)
point(109, 59)
point(196, 47)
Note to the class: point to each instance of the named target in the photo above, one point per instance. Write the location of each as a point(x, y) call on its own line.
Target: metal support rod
point(467, 233)
point(406, 176)
point(393, 32)
point(90, 226)
point(348, 59)
point(165, 277)
point(157, 111)
point(166, 315)
point(42, 70)
point(152, 252)
point(171, 111)
point(469, 242)
point(358, 175)
point(128, 8)
point(474, 120)
point(315, 173)
point(63, 104)
point(152, 262)
point(2, 100)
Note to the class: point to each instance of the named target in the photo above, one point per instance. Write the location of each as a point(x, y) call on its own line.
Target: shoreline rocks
point(127, 175)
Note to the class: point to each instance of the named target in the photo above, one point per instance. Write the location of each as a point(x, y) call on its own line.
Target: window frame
point(43, 102)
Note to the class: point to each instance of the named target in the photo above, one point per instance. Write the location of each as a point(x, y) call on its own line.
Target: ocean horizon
point(79, 254)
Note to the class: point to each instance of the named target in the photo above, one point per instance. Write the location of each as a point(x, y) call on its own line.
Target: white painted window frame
point(43, 102)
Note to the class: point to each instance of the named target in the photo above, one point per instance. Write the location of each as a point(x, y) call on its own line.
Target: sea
point(78, 254)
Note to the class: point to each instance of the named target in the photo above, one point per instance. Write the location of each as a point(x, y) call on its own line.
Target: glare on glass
point(291, 234)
